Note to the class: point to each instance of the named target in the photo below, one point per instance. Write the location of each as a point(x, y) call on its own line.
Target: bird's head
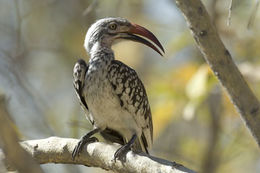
point(107, 31)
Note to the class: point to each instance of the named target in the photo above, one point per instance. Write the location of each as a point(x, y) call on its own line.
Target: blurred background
point(194, 121)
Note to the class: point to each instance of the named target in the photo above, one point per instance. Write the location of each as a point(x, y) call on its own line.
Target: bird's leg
point(121, 152)
point(83, 141)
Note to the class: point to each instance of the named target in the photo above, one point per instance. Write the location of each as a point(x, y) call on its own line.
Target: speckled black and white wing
point(79, 73)
point(132, 96)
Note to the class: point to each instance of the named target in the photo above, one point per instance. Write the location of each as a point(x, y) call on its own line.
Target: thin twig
point(90, 8)
point(252, 16)
point(18, 28)
point(229, 13)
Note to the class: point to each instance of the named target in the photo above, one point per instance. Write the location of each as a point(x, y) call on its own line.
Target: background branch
point(58, 150)
point(252, 16)
point(229, 12)
point(220, 61)
point(15, 154)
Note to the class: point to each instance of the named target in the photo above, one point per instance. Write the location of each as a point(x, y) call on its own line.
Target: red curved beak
point(139, 30)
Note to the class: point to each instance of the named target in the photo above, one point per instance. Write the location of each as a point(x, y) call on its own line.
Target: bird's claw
point(82, 142)
point(120, 154)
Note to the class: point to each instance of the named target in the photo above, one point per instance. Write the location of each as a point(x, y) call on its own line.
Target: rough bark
point(221, 63)
point(58, 150)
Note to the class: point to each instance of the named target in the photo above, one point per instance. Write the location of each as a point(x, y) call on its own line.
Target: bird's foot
point(120, 154)
point(82, 142)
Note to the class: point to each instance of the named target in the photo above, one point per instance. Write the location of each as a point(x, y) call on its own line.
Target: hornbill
point(111, 93)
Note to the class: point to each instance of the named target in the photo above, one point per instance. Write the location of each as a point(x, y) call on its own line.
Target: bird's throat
point(101, 53)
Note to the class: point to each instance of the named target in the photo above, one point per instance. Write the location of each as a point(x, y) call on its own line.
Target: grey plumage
point(111, 93)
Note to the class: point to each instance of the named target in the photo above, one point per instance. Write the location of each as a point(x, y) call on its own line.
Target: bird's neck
point(101, 53)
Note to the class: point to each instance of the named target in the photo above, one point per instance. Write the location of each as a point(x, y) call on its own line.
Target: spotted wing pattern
point(132, 96)
point(79, 73)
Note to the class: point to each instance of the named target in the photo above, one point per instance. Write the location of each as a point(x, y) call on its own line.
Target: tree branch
point(17, 157)
point(220, 61)
point(58, 150)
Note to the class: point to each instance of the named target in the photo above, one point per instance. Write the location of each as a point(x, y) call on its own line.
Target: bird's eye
point(112, 26)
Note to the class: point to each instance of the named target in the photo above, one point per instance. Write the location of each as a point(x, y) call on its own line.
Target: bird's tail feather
point(139, 146)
